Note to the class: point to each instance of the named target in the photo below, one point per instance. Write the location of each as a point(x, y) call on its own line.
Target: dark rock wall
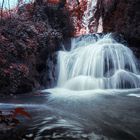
point(123, 16)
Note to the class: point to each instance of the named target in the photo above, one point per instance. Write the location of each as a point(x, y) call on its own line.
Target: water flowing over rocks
point(79, 68)
point(30, 39)
point(120, 16)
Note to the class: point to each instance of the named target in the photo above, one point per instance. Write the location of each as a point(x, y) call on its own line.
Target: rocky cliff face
point(28, 44)
point(123, 16)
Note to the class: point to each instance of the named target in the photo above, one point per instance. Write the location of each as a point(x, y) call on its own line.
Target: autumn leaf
point(21, 111)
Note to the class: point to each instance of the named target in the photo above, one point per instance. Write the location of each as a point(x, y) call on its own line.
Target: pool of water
point(80, 116)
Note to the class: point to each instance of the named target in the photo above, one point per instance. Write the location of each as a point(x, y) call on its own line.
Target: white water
point(101, 64)
point(88, 18)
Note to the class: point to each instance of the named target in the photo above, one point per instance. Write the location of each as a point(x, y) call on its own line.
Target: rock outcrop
point(123, 16)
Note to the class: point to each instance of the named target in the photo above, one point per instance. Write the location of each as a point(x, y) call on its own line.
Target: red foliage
point(10, 120)
point(29, 6)
point(22, 39)
point(3, 39)
point(6, 13)
point(53, 1)
point(76, 13)
point(21, 111)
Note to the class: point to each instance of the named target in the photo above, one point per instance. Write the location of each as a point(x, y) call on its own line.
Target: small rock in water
point(84, 135)
point(29, 135)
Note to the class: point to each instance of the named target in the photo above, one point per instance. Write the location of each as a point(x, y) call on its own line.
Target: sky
point(12, 3)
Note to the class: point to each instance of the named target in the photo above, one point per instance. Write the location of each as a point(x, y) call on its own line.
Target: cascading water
point(96, 67)
point(100, 63)
point(88, 17)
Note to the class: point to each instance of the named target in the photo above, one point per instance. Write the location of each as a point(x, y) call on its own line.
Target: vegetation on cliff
point(28, 39)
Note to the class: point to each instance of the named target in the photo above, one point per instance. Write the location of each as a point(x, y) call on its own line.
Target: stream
point(97, 96)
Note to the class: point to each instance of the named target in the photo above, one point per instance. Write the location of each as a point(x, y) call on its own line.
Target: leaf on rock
point(21, 111)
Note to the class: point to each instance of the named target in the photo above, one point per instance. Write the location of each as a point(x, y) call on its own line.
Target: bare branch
point(2, 8)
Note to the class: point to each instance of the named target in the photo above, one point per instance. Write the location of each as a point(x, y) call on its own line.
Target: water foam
point(97, 64)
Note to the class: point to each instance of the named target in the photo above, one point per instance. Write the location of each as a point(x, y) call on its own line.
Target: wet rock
point(122, 16)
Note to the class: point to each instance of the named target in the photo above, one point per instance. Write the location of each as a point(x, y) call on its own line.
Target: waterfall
point(97, 63)
point(88, 17)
